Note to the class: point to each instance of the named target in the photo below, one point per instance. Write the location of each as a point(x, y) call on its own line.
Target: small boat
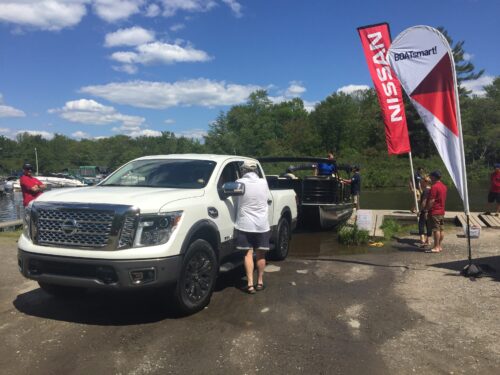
point(52, 182)
point(323, 201)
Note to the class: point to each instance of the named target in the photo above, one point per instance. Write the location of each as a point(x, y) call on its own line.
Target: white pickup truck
point(157, 221)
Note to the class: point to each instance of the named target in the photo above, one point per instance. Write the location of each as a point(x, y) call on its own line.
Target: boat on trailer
point(323, 201)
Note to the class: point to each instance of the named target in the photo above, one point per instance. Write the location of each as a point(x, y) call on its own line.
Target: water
point(11, 206)
point(402, 199)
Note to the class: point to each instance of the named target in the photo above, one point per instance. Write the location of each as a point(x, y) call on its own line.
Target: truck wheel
point(61, 291)
point(280, 251)
point(197, 278)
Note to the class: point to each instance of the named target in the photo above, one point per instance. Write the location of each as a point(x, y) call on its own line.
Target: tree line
point(349, 124)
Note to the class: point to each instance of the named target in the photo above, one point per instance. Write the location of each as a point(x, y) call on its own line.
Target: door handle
point(269, 201)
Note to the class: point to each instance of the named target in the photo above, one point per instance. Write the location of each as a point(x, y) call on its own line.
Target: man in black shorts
point(252, 223)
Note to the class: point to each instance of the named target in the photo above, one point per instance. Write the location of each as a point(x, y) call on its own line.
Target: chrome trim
point(120, 219)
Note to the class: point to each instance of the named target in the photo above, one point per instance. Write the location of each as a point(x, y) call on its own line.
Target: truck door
point(227, 207)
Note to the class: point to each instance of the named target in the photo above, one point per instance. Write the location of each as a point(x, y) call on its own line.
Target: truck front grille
point(74, 228)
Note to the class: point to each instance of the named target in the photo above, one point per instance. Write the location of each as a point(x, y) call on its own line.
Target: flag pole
point(413, 184)
point(471, 270)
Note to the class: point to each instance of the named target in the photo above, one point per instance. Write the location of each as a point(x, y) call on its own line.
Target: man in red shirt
point(494, 194)
point(30, 186)
point(435, 208)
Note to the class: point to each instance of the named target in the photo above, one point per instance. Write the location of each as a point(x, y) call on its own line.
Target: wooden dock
point(476, 219)
point(10, 225)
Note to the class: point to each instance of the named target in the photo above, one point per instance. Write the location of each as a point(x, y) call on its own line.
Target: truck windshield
point(163, 173)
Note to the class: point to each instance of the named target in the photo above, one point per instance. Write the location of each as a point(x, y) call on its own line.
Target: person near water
point(494, 193)
point(424, 227)
point(355, 183)
point(435, 209)
point(252, 223)
point(415, 186)
point(327, 168)
point(31, 187)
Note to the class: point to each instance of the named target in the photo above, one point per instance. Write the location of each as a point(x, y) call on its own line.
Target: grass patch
point(11, 233)
point(348, 235)
point(391, 227)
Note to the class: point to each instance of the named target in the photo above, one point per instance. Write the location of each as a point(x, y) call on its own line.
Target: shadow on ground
point(112, 308)
point(489, 265)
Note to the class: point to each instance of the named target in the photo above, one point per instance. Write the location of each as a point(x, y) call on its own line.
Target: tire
point(197, 277)
point(280, 251)
point(61, 291)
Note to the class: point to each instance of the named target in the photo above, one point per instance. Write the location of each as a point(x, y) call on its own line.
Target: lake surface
point(383, 198)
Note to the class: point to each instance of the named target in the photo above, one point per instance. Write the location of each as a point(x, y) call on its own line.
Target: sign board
point(364, 219)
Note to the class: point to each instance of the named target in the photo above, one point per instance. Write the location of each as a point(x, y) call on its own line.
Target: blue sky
point(96, 68)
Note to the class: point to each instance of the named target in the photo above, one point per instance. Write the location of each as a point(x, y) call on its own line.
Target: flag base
point(472, 270)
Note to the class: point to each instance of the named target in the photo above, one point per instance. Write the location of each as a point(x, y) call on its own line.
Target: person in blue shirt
point(327, 169)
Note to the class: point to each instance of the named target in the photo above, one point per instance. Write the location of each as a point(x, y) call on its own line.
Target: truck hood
point(147, 199)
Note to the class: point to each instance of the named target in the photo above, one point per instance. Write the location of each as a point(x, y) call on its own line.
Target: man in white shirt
point(252, 223)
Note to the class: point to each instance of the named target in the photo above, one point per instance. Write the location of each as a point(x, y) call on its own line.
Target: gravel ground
point(393, 310)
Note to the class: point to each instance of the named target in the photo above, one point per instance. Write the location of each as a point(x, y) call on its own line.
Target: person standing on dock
point(435, 209)
point(424, 227)
point(355, 183)
point(494, 193)
point(30, 186)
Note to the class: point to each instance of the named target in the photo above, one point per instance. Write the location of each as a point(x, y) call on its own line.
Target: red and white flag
point(423, 61)
point(376, 40)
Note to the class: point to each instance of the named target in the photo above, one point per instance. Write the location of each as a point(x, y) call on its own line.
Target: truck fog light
point(142, 276)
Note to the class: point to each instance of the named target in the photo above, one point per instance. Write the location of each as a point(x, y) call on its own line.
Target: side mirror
point(233, 189)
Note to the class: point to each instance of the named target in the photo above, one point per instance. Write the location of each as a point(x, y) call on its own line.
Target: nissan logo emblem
point(69, 227)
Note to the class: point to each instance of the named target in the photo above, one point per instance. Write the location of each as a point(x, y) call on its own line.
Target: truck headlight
point(27, 222)
point(156, 229)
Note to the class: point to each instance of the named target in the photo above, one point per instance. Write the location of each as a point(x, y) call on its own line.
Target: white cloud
point(351, 89)
point(144, 133)
point(80, 134)
point(152, 10)
point(309, 106)
point(43, 14)
point(132, 36)
point(177, 27)
point(8, 111)
point(170, 7)
point(115, 10)
point(468, 56)
point(477, 85)
point(160, 53)
point(42, 133)
point(169, 121)
point(87, 111)
point(160, 95)
point(126, 68)
point(235, 7)
point(295, 89)
point(192, 133)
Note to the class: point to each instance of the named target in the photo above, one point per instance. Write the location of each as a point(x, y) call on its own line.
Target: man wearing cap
point(435, 208)
point(30, 186)
point(252, 223)
point(494, 193)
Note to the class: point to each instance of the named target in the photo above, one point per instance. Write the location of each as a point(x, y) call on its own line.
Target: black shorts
point(493, 197)
point(252, 240)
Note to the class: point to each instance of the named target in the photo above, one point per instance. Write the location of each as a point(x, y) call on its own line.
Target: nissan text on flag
point(158, 221)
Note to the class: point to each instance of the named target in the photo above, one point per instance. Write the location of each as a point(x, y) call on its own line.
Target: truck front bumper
point(99, 273)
